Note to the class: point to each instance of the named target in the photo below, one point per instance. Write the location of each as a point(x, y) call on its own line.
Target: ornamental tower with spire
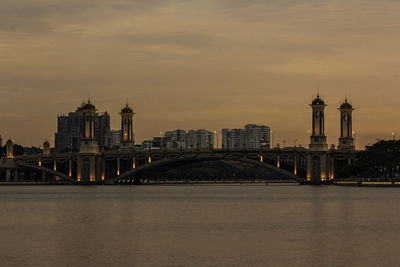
point(127, 127)
point(317, 162)
point(88, 142)
point(346, 141)
point(318, 137)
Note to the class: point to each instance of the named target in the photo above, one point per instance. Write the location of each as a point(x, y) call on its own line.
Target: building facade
point(115, 138)
point(196, 139)
point(252, 136)
point(70, 129)
point(257, 136)
point(234, 138)
point(175, 139)
point(180, 139)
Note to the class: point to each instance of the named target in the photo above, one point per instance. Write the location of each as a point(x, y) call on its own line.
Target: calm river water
point(200, 225)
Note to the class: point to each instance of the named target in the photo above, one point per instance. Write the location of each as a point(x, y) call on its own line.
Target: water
point(199, 225)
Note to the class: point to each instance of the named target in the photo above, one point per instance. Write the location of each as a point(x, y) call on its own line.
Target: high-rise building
point(176, 135)
point(191, 139)
point(175, 139)
point(70, 129)
point(256, 136)
point(199, 139)
point(115, 138)
point(252, 136)
point(234, 138)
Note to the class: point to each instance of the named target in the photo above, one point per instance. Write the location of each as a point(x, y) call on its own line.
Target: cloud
point(232, 61)
point(33, 16)
point(184, 39)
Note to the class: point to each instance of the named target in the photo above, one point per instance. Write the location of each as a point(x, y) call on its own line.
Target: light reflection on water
point(199, 226)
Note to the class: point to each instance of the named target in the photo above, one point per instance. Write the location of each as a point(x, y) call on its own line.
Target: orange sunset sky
point(200, 64)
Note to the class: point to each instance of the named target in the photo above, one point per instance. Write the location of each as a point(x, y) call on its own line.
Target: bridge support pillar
point(8, 175)
point(92, 169)
point(70, 167)
point(79, 170)
point(86, 169)
point(118, 165)
point(98, 169)
point(331, 167)
point(55, 169)
point(103, 169)
point(278, 161)
point(317, 167)
point(295, 165)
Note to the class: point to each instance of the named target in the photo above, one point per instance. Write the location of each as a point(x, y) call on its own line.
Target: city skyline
point(199, 132)
point(218, 133)
point(254, 62)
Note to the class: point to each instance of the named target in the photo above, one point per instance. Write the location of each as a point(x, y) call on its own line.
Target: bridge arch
point(181, 161)
point(49, 171)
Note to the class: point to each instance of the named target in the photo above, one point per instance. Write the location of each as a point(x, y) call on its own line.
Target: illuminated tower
point(89, 148)
point(318, 138)
point(88, 143)
point(317, 154)
point(46, 148)
point(126, 127)
point(10, 149)
point(346, 141)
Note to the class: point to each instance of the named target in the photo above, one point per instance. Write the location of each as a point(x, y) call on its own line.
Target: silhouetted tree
point(382, 159)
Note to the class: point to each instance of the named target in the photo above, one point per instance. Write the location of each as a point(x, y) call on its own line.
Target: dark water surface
point(199, 226)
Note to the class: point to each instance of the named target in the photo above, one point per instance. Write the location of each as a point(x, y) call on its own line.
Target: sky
point(213, 64)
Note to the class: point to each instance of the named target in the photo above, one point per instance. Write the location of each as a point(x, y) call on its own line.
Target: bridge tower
point(8, 163)
point(318, 138)
point(126, 128)
point(46, 148)
point(88, 142)
point(317, 170)
point(10, 149)
point(89, 149)
point(346, 141)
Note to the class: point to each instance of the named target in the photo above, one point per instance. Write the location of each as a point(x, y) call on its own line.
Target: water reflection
point(198, 225)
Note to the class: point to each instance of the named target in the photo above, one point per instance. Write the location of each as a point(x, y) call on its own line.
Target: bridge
point(112, 167)
point(92, 165)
